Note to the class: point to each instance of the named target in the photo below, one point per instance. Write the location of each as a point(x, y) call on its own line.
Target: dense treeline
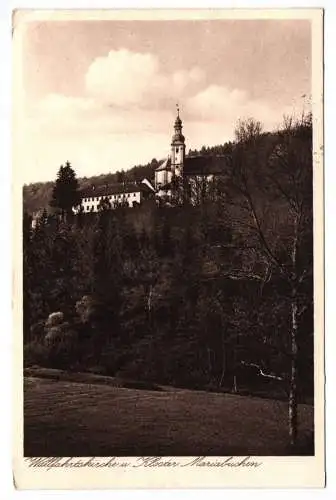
point(185, 295)
point(220, 149)
point(36, 196)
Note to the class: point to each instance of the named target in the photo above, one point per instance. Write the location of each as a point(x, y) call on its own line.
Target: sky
point(103, 94)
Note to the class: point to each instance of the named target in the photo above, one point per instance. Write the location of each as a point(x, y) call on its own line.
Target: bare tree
point(247, 129)
point(272, 182)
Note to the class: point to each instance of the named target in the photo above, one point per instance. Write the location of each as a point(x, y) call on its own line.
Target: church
point(179, 174)
point(192, 173)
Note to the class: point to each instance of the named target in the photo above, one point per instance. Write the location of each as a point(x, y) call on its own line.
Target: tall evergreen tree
point(65, 193)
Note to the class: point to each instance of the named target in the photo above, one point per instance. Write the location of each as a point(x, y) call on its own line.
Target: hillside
point(188, 295)
point(59, 417)
point(36, 196)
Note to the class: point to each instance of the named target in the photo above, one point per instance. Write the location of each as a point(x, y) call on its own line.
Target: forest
point(186, 295)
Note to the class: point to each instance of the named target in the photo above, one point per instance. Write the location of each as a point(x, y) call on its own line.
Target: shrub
point(61, 343)
point(86, 308)
point(35, 353)
point(55, 318)
point(37, 330)
point(62, 333)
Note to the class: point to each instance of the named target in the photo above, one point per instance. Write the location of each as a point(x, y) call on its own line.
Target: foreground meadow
point(64, 418)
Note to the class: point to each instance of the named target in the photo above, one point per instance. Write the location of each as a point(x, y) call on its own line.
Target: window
point(177, 150)
point(134, 194)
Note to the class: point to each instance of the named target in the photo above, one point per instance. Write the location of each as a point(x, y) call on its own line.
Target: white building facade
point(113, 196)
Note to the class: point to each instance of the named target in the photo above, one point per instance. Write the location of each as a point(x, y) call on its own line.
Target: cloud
point(124, 78)
point(129, 92)
point(125, 116)
point(221, 104)
point(57, 114)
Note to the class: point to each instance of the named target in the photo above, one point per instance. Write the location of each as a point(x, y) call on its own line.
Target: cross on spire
point(178, 110)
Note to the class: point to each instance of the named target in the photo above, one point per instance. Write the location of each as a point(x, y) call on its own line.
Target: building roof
point(145, 188)
point(199, 165)
point(164, 165)
point(178, 138)
point(205, 165)
point(93, 191)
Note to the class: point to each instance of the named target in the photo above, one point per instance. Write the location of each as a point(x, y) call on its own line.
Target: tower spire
point(178, 146)
point(178, 126)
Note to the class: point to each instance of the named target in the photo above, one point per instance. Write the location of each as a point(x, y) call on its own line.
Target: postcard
point(168, 248)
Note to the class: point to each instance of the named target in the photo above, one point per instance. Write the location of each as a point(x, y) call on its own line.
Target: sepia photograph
point(166, 170)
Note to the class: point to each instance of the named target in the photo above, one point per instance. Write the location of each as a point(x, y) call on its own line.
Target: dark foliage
point(181, 295)
point(65, 194)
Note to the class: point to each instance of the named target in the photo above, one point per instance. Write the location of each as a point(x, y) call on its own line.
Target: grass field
point(65, 418)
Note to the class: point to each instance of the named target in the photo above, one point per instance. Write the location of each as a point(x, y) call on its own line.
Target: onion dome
point(178, 137)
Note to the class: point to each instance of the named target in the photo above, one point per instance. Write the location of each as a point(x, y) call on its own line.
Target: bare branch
point(262, 236)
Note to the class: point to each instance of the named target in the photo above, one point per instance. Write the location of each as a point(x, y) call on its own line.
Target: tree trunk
point(235, 388)
point(223, 364)
point(292, 406)
point(149, 296)
point(149, 299)
point(209, 361)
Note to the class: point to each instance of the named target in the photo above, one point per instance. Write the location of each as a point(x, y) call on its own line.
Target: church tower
point(177, 147)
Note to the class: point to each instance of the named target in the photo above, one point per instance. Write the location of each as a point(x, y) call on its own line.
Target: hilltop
point(36, 195)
